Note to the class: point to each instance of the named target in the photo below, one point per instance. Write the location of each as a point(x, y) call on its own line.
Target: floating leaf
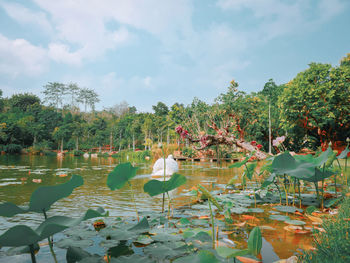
point(43, 197)
point(144, 239)
point(75, 254)
point(279, 217)
point(68, 242)
point(142, 226)
point(203, 256)
point(160, 251)
point(310, 209)
point(227, 252)
point(255, 210)
point(287, 209)
point(132, 259)
point(295, 222)
point(184, 221)
point(255, 241)
point(120, 175)
point(155, 187)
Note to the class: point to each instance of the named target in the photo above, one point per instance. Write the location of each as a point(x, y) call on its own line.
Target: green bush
point(188, 152)
point(13, 148)
point(78, 153)
point(334, 244)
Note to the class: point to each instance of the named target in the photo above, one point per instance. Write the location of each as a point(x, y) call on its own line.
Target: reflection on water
point(16, 185)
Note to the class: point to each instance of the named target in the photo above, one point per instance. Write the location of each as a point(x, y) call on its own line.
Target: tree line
point(311, 110)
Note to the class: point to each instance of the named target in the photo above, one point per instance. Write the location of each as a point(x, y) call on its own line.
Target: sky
point(143, 51)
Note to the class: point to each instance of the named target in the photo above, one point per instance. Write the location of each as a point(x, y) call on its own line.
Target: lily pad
point(287, 209)
point(255, 210)
point(67, 242)
point(279, 217)
point(203, 256)
point(295, 222)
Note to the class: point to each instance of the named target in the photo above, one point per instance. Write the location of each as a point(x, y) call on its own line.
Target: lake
point(16, 185)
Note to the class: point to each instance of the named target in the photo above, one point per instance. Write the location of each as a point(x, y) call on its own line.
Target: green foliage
point(255, 241)
point(120, 175)
point(333, 245)
point(155, 187)
point(188, 152)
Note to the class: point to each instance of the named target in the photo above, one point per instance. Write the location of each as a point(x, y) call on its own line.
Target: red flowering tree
point(221, 137)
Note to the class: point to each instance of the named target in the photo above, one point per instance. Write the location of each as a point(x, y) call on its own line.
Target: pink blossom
point(253, 143)
point(179, 129)
point(259, 146)
point(184, 134)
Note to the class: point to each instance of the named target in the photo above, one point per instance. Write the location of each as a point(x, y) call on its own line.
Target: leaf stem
point(133, 200)
point(212, 223)
point(32, 253)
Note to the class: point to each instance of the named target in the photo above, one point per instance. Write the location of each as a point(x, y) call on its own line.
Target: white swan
point(170, 166)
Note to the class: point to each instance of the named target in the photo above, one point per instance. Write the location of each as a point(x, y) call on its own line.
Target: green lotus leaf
point(9, 209)
point(249, 171)
point(132, 259)
point(19, 235)
point(68, 242)
point(203, 256)
point(344, 154)
point(21, 250)
point(295, 222)
point(142, 226)
point(57, 224)
point(43, 197)
point(255, 241)
point(155, 187)
point(122, 249)
point(184, 221)
point(160, 251)
point(279, 217)
point(75, 254)
point(255, 210)
point(144, 239)
point(323, 157)
point(241, 163)
point(120, 175)
point(227, 252)
point(286, 164)
point(287, 209)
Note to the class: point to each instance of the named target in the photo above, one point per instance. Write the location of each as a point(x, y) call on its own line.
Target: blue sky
point(143, 51)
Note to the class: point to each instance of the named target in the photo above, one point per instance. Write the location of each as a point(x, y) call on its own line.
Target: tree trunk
point(62, 145)
point(167, 137)
point(133, 142)
point(120, 140)
point(270, 128)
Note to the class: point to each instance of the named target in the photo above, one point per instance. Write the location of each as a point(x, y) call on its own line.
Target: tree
point(23, 102)
point(54, 93)
point(89, 97)
point(317, 102)
point(160, 109)
point(73, 89)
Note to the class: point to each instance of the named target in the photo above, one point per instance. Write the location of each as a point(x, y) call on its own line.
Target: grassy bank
point(333, 245)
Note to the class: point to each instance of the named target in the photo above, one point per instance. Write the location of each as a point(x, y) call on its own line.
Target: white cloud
point(21, 57)
point(277, 18)
point(26, 16)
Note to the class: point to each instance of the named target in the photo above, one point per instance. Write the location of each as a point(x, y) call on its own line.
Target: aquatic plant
point(41, 201)
point(120, 176)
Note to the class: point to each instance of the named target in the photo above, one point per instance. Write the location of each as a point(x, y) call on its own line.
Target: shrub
point(78, 153)
point(13, 148)
point(334, 244)
point(188, 152)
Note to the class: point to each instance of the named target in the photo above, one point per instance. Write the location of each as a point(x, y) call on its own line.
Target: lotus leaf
point(295, 222)
point(160, 251)
point(203, 256)
point(279, 217)
point(68, 242)
point(132, 259)
point(141, 227)
point(75, 254)
point(43, 197)
point(344, 154)
point(288, 209)
point(255, 241)
point(120, 175)
point(19, 235)
point(227, 252)
point(155, 187)
point(255, 210)
point(239, 164)
point(21, 250)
